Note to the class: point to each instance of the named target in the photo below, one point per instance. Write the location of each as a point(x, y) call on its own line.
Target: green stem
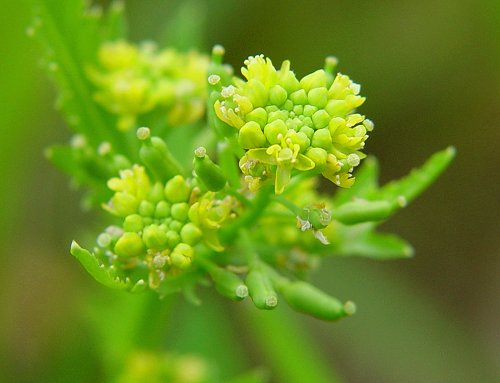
point(285, 346)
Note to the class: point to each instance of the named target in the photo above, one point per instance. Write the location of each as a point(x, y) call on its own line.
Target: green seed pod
point(162, 209)
point(359, 211)
point(156, 156)
point(146, 209)
point(258, 115)
point(191, 234)
point(273, 130)
point(261, 289)
point(321, 119)
point(179, 211)
point(251, 136)
point(308, 299)
point(322, 139)
point(177, 190)
point(154, 237)
point(318, 97)
point(208, 172)
point(129, 245)
point(228, 283)
point(133, 223)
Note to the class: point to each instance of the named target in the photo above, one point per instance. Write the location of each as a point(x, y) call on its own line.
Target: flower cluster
point(286, 124)
point(161, 224)
point(133, 80)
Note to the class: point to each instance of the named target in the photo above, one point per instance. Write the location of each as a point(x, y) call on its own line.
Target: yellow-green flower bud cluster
point(286, 124)
point(132, 80)
point(161, 223)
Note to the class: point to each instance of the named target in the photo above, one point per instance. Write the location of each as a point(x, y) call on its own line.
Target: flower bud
point(321, 119)
point(133, 223)
point(251, 136)
point(259, 115)
point(322, 139)
point(182, 255)
point(129, 245)
point(154, 237)
point(273, 130)
point(162, 209)
point(318, 156)
point(299, 97)
point(277, 95)
point(146, 209)
point(318, 97)
point(177, 190)
point(316, 79)
point(173, 238)
point(179, 211)
point(191, 234)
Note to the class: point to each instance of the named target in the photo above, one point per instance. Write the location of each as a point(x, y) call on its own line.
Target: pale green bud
point(321, 119)
point(182, 255)
point(162, 209)
point(154, 237)
point(288, 105)
point(299, 97)
point(277, 95)
point(298, 110)
point(322, 139)
point(273, 130)
point(173, 238)
point(191, 234)
point(177, 190)
point(156, 193)
point(257, 93)
point(318, 156)
point(251, 136)
point(314, 80)
point(179, 211)
point(175, 225)
point(259, 115)
point(318, 97)
point(308, 131)
point(278, 115)
point(129, 245)
point(124, 204)
point(309, 110)
point(133, 222)
point(146, 209)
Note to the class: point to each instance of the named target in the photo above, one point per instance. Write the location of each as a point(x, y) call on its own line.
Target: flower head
point(288, 124)
point(161, 224)
point(132, 80)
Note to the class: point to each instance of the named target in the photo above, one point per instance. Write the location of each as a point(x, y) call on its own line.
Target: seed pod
point(351, 213)
point(261, 289)
point(154, 153)
point(227, 283)
point(208, 172)
point(308, 299)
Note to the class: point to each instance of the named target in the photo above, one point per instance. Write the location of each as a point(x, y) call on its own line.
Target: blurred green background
point(431, 74)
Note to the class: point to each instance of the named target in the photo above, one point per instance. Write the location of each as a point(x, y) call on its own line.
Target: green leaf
point(102, 274)
point(378, 246)
point(71, 39)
